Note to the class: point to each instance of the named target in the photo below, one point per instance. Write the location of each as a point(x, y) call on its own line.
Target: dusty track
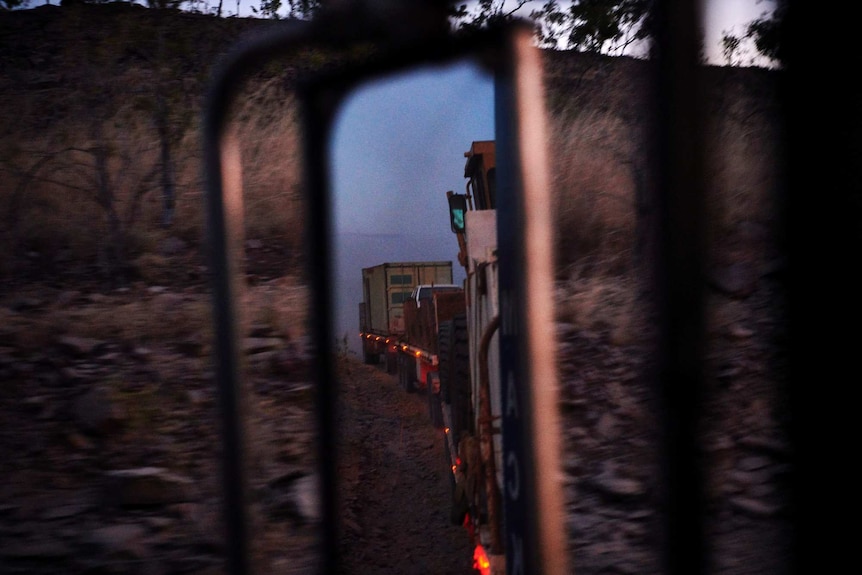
point(395, 489)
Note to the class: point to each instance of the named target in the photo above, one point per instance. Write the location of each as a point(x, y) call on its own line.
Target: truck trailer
point(386, 288)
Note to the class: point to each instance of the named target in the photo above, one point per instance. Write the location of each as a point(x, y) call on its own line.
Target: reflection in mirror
point(264, 202)
point(398, 146)
point(413, 469)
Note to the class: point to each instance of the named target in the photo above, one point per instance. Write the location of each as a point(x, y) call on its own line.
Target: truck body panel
point(448, 339)
point(483, 308)
point(386, 288)
point(422, 322)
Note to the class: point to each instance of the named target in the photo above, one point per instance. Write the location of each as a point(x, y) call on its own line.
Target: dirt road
point(395, 493)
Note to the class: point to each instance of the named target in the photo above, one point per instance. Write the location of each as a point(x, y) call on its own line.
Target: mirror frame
point(533, 502)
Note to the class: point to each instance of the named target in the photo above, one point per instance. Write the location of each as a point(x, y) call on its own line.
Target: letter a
point(511, 398)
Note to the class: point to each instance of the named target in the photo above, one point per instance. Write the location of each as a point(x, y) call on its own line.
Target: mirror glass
point(397, 147)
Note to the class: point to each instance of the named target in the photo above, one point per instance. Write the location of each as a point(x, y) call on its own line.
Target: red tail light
point(480, 561)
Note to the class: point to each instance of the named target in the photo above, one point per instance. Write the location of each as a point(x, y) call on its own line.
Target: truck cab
point(470, 388)
point(425, 292)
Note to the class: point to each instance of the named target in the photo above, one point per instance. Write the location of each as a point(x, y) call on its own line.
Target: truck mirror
point(287, 62)
point(457, 212)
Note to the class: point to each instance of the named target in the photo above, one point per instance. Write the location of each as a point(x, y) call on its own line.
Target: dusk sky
point(398, 146)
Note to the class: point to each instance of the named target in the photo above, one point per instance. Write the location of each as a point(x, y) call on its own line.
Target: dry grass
point(116, 318)
point(264, 125)
point(594, 189)
point(596, 154)
point(280, 305)
point(743, 172)
point(140, 317)
point(55, 221)
point(51, 198)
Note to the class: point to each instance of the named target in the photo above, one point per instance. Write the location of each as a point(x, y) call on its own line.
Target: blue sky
point(398, 147)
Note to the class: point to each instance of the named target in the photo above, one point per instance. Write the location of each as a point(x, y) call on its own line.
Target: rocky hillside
point(88, 96)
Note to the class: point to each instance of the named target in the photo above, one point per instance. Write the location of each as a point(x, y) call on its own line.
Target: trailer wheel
point(370, 358)
point(459, 383)
point(444, 355)
point(435, 408)
point(406, 368)
point(391, 361)
point(460, 505)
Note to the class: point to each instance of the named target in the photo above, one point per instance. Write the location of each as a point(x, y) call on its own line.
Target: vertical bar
point(225, 345)
point(533, 502)
point(317, 118)
point(680, 283)
point(823, 118)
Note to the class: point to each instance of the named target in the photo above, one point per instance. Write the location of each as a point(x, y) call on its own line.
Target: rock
point(753, 507)
point(747, 479)
point(564, 329)
point(261, 330)
point(609, 483)
point(120, 538)
point(67, 297)
point(306, 496)
point(147, 486)
point(79, 346)
point(7, 338)
point(168, 303)
point(753, 462)
point(738, 332)
point(79, 441)
point(737, 280)
point(96, 298)
point(196, 396)
point(582, 523)
point(172, 246)
point(25, 304)
point(252, 345)
point(606, 427)
point(64, 511)
point(96, 412)
point(774, 267)
point(352, 525)
point(765, 444)
point(290, 365)
point(43, 549)
point(142, 353)
point(193, 347)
